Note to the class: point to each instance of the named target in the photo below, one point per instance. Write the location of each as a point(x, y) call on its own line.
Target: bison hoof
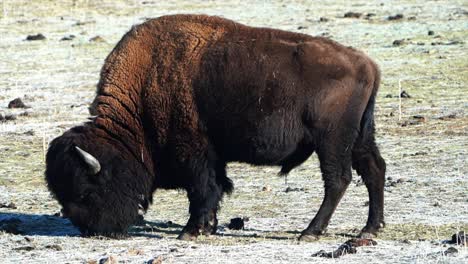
point(308, 238)
point(187, 237)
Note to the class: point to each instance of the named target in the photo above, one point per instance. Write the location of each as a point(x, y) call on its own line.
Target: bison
point(182, 95)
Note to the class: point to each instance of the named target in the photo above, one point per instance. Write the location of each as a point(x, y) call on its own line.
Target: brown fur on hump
point(147, 78)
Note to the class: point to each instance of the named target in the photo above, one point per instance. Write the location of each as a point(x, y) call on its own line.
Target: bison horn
point(92, 162)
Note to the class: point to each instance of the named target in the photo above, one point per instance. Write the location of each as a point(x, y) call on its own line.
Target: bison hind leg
point(368, 163)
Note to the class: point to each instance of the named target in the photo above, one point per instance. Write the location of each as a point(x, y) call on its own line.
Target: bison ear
point(93, 164)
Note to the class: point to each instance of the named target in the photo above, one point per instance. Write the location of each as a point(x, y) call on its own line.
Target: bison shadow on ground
point(36, 225)
point(51, 225)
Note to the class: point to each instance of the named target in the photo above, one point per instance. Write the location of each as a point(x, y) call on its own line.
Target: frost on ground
point(423, 137)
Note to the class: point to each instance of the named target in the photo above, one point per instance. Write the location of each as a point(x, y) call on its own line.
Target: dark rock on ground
point(395, 17)
point(451, 251)
point(97, 39)
point(289, 189)
point(8, 117)
point(370, 15)
point(236, 223)
point(68, 38)
point(352, 15)
point(454, 42)
point(8, 205)
point(448, 117)
point(398, 42)
point(108, 260)
point(54, 247)
point(17, 103)
point(35, 37)
point(25, 248)
point(404, 94)
point(430, 33)
point(323, 19)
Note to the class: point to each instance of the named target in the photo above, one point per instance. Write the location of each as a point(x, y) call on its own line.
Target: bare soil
point(423, 137)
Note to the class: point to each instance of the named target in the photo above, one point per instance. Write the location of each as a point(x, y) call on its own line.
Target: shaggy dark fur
point(180, 96)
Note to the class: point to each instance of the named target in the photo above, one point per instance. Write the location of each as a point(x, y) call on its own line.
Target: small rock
point(97, 39)
point(419, 118)
point(451, 251)
point(68, 38)
point(395, 17)
point(54, 247)
point(436, 204)
point(369, 15)
point(448, 117)
point(388, 96)
point(404, 94)
point(29, 239)
point(430, 33)
point(236, 223)
point(323, 19)
point(266, 189)
point(406, 241)
point(398, 42)
point(301, 27)
point(9, 117)
point(25, 248)
point(9, 205)
point(29, 133)
point(289, 189)
point(412, 18)
point(109, 260)
point(17, 103)
point(352, 15)
point(82, 23)
point(35, 37)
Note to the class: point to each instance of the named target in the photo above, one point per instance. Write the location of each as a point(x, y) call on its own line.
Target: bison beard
point(180, 96)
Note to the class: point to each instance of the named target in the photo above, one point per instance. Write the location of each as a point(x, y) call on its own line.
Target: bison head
point(101, 186)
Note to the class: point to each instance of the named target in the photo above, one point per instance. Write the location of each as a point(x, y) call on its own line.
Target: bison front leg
point(204, 193)
point(335, 164)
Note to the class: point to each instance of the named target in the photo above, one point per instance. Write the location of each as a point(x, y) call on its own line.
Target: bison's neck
point(118, 103)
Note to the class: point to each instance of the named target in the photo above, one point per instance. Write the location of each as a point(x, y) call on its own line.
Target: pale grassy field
point(430, 202)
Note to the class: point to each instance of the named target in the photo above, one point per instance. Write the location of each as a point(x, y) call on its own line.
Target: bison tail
point(367, 126)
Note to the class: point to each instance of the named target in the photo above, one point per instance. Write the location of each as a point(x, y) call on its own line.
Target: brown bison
point(180, 96)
